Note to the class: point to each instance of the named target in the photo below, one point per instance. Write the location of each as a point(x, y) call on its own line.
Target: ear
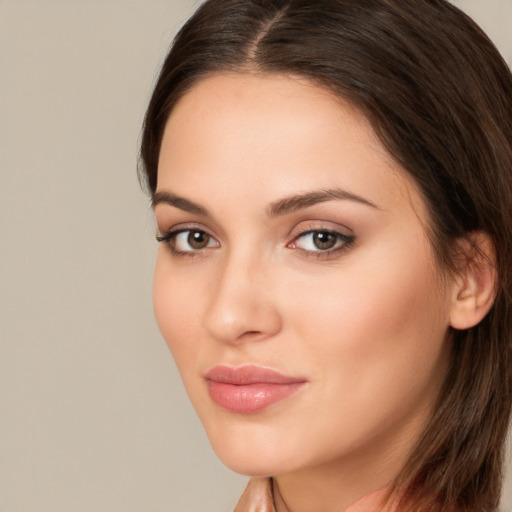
point(474, 284)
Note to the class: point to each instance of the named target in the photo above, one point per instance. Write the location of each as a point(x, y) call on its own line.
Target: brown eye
point(198, 239)
point(188, 241)
point(324, 240)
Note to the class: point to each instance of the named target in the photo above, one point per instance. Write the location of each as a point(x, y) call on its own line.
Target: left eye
point(321, 241)
point(192, 240)
point(188, 240)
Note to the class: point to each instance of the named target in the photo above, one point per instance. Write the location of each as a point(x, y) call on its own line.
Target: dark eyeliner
point(169, 237)
point(347, 243)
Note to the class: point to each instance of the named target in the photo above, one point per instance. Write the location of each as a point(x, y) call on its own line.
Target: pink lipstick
point(249, 389)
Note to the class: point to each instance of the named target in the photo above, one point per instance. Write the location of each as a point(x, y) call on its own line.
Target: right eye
point(183, 241)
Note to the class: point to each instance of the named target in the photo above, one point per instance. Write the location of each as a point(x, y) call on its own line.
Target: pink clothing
point(258, 497)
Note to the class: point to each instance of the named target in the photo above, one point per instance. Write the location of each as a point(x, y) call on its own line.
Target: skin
point(365, 325)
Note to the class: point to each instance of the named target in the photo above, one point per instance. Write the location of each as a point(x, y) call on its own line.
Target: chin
point(250, 464)
point(251, 455)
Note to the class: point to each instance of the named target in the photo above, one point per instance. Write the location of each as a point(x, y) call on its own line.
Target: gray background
point(93, 416)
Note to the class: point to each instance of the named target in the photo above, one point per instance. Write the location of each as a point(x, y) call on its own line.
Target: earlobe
point(474, 285)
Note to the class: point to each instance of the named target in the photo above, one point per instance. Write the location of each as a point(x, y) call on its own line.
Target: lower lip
point(250, 398)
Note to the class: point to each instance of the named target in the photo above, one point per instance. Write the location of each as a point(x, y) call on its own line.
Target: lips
point(249, 389)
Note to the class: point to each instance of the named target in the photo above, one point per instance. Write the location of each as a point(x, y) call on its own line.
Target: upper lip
point(250, 374)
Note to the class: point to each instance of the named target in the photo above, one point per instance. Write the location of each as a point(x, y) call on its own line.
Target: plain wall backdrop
point(93, 415)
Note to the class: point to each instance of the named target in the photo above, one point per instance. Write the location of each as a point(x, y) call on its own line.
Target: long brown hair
point(439, 96)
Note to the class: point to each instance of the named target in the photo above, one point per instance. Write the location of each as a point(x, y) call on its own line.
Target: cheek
point(376, 330)
point(364, 308)
point(176, 305)
point(374, 342)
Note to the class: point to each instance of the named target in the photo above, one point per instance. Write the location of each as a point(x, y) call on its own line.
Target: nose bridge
point(241, 301)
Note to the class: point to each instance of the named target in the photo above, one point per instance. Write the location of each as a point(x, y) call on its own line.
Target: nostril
point(250, 335)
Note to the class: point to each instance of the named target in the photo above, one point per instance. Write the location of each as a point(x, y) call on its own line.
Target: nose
point(241, 306)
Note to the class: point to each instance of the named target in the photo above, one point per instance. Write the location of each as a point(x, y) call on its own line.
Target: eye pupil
point(324, 240)
point(198, 239)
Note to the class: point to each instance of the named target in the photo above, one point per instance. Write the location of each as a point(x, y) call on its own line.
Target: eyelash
point(342, 242)
point(169, 239)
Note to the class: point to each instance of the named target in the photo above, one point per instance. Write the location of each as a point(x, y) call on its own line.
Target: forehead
point(281, 104)
point(271, 134)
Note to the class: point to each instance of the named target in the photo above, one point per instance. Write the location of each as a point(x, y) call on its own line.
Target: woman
point(332, 184)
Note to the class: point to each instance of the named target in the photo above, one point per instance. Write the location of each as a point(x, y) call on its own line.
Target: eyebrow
point(280, 207)
point(303, 201)
point(178, 202)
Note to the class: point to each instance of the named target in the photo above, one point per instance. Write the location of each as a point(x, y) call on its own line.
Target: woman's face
point(295, 286)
